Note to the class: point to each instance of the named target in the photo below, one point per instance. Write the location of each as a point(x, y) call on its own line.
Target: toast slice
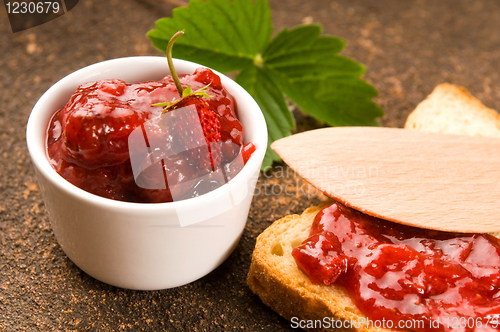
point(450, 109)
point(274, 275)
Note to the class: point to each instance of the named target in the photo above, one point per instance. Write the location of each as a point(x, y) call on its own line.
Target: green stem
point(171, 63)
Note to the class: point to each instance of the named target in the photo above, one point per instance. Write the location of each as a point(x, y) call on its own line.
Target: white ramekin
point(135, 245)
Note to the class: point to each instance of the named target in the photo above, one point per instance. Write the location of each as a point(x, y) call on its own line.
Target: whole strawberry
point(205, 150)
point(95, 121)
point(197, 128)
point(95, 124)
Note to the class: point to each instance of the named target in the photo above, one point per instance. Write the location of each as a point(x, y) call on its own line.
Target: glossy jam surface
point(87, 140)
point(400, 273)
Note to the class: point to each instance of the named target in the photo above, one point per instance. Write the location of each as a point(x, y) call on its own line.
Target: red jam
point(441, 281)
point(87, 140)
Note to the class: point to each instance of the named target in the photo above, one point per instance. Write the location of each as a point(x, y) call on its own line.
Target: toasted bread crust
point(276, 279)
point(451, 109)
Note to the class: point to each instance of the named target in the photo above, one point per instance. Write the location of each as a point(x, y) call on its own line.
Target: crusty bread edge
point(441, 102)
point(297, 298)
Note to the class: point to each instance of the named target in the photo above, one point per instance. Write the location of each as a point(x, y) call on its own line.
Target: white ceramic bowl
point(143, 246)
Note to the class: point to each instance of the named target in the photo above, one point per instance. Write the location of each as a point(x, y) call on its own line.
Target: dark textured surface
point(408, 47)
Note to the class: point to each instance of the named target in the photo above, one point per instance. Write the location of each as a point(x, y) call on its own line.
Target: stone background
point(408, 48)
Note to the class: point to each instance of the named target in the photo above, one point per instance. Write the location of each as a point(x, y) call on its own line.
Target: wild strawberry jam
point(422, 279)
point(87, 140)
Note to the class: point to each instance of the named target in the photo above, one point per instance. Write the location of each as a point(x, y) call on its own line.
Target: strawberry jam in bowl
point(395, 273)
point(145, 189)
point(105, 137)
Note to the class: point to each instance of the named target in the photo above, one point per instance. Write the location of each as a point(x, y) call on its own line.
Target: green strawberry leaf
point(299, 63)
point(187, 92)
point(319, 81)
point(270, 99)
point(220, 34)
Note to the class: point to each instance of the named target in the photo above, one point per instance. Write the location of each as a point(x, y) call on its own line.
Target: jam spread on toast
point(444, 281)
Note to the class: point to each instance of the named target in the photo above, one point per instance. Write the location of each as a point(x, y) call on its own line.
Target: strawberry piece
point(210, 125)
point(247, 150)
point(96, 123)
point(221, 102)
point(207, 77)
point(112, 182)
point(176, 171)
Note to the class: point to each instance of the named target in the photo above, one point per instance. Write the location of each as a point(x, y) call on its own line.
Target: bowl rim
point(99, 69)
